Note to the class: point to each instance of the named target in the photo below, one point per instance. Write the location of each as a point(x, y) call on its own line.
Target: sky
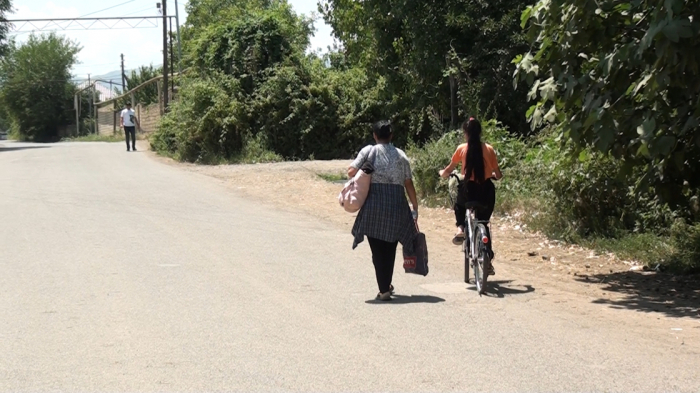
point(142, 46)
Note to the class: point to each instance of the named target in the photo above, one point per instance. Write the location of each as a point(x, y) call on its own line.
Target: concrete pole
point(123, 77)
point(77, 114)
point(165, 54)
point(94, 96)
point(179, 45)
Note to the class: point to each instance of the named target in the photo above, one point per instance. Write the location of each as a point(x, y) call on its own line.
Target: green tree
point(252, 84)
point(623, 78)
point(5, 8)
point(36, 88)
point(408, 42)
point(148, 94)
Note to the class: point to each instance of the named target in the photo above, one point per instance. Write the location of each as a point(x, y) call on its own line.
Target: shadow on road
point(674, 296)
point(25, 147)
point(501, 289)
point(401, 299)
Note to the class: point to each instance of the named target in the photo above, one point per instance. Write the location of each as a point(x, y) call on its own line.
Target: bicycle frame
point(471, 224)
point(471, 245)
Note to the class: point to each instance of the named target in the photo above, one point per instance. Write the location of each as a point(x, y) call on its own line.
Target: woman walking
point(385, 217)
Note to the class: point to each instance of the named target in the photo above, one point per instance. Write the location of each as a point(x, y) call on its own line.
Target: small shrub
point(333, 177)
point(206, 125)
point(686, 242)
point(255, 151)
point(426, 162)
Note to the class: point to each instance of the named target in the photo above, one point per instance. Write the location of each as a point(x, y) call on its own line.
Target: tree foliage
point(415, 45)
point(252, 82)
point(36, 88)
point(148, 94)
point(623, 78)
point(249, 47)
point(5, 8)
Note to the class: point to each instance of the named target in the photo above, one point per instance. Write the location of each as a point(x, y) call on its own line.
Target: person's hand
point(442, 173)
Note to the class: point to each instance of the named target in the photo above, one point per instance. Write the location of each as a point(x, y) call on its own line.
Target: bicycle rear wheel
point(465, 250)
point(482, 265)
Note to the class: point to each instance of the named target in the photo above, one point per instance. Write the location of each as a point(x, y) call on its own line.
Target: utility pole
point(123, 76)
point(172, 67)
point(92, 96)
point(165, 55)
point(179, 44)
point(76, 102)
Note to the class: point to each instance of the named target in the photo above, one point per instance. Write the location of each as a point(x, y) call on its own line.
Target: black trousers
point(485, 194)
point(130, 131)
point(470, 191)
point(383, 257)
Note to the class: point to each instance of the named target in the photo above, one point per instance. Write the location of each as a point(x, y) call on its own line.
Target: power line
point(136, 12)
point(106, 9)
point(92, 65)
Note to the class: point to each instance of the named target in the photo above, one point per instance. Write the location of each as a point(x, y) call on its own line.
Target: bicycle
point(474, 246)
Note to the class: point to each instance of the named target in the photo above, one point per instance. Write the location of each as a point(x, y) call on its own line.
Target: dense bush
point(315, 111)
point(614, 77)
point(686, 241)
point(253, 82)
point(204, 125)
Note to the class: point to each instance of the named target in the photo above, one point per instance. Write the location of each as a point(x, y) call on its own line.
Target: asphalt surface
point(121, 273)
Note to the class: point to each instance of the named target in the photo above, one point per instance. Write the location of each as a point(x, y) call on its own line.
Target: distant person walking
point(129, 123)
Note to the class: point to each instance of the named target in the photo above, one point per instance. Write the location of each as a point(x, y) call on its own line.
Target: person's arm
point(357, 164)
point(408, 184)
point(121, 121)
point(456, 159)
point(411, 190)
point(445, 173)
point(499, 174)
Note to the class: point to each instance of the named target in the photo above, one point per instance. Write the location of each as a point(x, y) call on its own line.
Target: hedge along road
point(121, 273)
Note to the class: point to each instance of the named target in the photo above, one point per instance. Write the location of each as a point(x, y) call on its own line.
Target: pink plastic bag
point(355, 192)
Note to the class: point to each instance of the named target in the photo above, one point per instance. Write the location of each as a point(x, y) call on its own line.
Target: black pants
point(383, 257)
point(130, 131)
point(485, 194)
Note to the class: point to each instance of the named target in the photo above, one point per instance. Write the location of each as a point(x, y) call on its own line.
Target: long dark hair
point(475, 155)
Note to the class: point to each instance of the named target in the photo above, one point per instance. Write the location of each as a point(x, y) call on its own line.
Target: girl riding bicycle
point(479, 166)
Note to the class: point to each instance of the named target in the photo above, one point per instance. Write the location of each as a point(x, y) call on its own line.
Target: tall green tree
point(409, 43)
point(36, 88)
point(623, 78)
point(5, 8)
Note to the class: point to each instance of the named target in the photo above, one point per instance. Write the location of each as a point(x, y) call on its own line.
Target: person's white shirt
point(128, 115)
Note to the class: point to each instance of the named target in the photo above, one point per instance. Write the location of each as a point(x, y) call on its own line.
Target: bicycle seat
point(474, 205)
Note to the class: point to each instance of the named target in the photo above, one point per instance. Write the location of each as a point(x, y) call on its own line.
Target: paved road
point(120, 273)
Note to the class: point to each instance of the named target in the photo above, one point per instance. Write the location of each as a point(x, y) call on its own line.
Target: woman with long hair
point(479, 167)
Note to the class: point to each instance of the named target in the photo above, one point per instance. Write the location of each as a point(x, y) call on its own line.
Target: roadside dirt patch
point(537, 261)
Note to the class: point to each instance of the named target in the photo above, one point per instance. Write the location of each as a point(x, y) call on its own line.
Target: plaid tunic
point(385, 216)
